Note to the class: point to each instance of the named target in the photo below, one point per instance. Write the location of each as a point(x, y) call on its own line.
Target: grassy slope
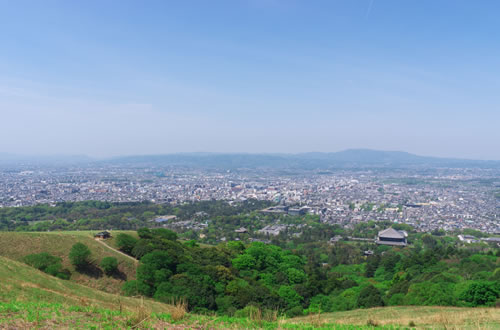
point(22, 282)
point(31, 298)
point(16, 246)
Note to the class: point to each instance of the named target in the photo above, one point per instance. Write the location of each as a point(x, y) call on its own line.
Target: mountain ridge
point(307, 160)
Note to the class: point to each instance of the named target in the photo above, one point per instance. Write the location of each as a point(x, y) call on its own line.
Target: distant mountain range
point(311, 160)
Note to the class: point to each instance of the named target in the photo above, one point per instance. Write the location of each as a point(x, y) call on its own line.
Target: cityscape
point(427, 199)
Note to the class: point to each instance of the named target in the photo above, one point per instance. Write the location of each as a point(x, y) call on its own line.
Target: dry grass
point(414, 316)
point(21, 282)
point(16, 246)
point(141, 315)
point(178, 309)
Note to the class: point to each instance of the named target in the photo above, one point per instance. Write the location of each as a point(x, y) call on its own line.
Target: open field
point(16, 245)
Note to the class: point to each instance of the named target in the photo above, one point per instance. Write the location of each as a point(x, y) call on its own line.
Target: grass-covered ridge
point(17, 245)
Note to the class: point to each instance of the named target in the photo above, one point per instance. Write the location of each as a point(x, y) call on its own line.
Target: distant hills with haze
point(311, 160)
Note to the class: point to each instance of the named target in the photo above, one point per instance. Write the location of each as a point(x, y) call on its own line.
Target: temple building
point(391, 236)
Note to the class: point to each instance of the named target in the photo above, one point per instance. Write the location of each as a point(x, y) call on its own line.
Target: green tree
point(289, 296)
point(481, 293)
point(370, 297)
point(79, 255)
point(109, 265)
point(125, 242)
point(295, 276)
point(164, 233)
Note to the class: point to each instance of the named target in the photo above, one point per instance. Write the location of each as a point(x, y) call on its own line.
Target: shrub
point(64, 274)
point(42, 261)
point(250, 311)
point(295, 311)
point(47, 263)
point(109, 265)
point(397, 299)
point(125, 242)
point(319, 303)
point(79, 255)
point(481, 293)
point(370, 297)
point(131, 288)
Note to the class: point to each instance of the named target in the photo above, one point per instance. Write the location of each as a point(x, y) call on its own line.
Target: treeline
point(97, 215)
point(232, 278)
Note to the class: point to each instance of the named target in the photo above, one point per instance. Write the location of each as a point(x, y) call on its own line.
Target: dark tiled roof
point(391, 233)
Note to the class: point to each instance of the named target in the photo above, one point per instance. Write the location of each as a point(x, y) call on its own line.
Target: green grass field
point(16, 245)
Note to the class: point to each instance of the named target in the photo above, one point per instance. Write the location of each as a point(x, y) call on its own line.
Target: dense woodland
point(97, 215)
point(233, 278)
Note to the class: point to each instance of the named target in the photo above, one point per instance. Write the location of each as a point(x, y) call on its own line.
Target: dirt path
point(117, 251)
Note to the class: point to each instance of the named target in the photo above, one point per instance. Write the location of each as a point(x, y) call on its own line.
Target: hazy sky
point(107, 78)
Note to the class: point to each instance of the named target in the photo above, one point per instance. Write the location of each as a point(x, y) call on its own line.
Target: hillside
point(30, 298)
point(16, 245)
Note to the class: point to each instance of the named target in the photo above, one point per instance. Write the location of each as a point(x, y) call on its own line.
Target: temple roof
point(391, 233)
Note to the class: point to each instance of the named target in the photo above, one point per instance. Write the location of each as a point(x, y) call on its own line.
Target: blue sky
point(107, 78)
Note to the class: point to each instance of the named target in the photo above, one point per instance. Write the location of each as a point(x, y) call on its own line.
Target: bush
point(248, 311)
point(42, 261)
point(134, 288)
point(79, 255)
point(295, 311)
point(397, 299)
point(47, 263)
point(370, 297)
point(64, 274)
point(319, 303)
point(109, 265)
point(481, 293)
point(125, 243)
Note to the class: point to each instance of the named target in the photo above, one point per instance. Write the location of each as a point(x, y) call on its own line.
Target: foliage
point(125, 242)
point(370, 297)
point(109, 265)
point(47, 263)
point(480, 293)
point(79, 255)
